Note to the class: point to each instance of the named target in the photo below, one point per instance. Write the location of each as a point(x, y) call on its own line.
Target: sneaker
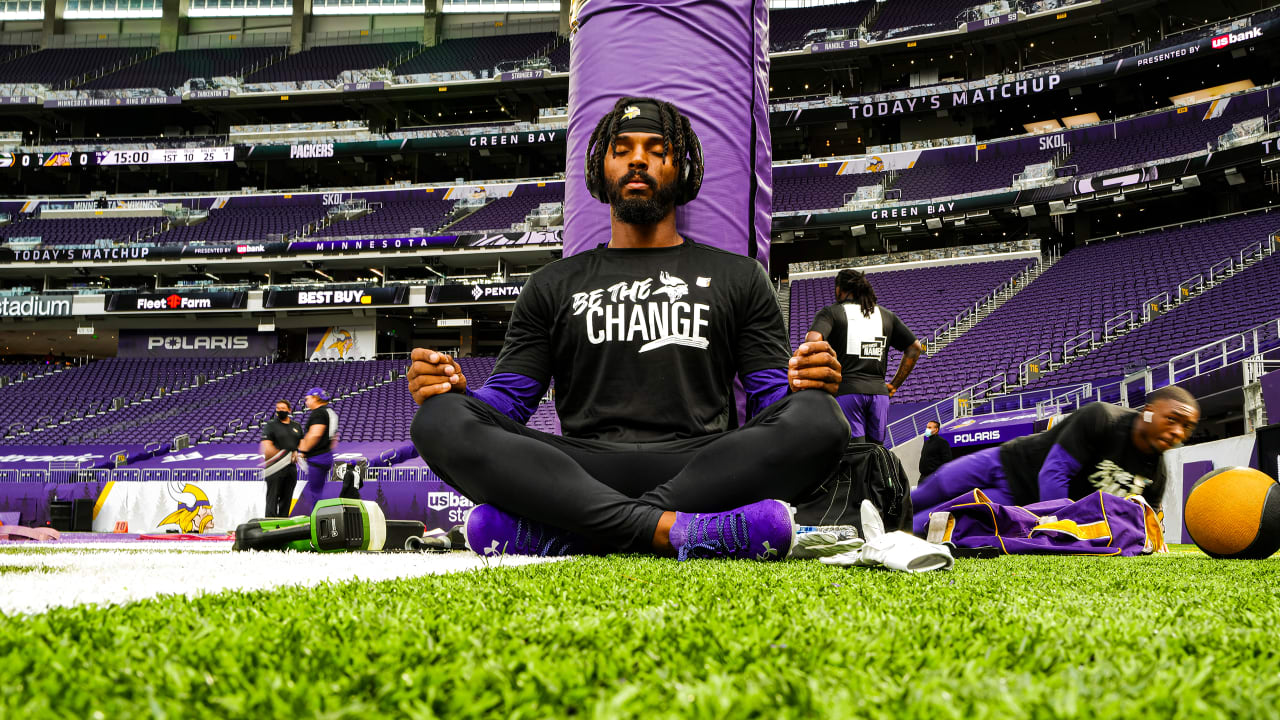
point(760, 531)
point(492, 532)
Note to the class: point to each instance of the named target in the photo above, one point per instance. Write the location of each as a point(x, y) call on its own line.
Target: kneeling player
point(1098, 447)
point(643, 336)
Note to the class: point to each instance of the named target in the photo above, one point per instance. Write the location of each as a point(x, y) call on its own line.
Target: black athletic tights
point(616, 492)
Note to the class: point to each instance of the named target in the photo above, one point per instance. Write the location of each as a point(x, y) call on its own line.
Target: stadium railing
point(828, 267)
point(1176, 369)
point(1235, 349)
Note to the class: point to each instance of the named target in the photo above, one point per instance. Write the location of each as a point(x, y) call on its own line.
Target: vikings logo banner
point(708, 57)
point(345, 342)
point(196, 507)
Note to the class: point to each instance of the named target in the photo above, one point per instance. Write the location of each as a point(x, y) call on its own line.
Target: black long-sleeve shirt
point(933, 455)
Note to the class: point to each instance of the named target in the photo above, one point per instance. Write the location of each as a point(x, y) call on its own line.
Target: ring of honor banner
point(341, 342)
point(708, 57)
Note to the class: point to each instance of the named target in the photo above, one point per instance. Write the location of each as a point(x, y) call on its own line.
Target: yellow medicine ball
point(1234, 512)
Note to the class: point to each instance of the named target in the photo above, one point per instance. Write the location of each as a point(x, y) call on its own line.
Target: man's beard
point(639, 210)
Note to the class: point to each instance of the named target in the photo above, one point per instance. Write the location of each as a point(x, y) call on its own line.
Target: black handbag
point(866, 472)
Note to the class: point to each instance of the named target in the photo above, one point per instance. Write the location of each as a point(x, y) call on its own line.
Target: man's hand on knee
point(814, 366)
point(433, 373)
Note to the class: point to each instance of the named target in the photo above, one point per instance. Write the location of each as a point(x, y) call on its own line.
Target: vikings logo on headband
point(642, 117)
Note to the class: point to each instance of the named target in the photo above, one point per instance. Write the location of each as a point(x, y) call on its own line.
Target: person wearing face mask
point(935, 452)
point(279, 448)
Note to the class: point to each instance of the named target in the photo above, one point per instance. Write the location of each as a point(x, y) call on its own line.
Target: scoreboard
point(109, 158)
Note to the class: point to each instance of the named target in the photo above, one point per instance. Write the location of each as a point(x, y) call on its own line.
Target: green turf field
point(1154, 637)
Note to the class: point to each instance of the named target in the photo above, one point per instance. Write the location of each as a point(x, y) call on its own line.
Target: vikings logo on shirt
point(1115, 480)
point(630, 311)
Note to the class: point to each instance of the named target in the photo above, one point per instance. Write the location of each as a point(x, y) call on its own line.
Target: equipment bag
point(866, 472)
point(1097, 524)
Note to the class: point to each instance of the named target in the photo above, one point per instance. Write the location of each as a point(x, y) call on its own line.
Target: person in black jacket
point(279, 457)
point(935, 452)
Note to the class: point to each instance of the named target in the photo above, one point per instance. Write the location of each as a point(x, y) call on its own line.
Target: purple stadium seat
point(925, 298)
point(787, 27)
point(170, 70)
point(1238, 304)
point(58, 68)
point(328, 62)
point(477, 53)
point(1096, 283)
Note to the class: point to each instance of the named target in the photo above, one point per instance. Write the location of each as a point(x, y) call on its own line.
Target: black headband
point(644, 117)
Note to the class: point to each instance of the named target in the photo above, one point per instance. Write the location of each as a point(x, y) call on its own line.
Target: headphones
point(688, 184)
point(1147, 416)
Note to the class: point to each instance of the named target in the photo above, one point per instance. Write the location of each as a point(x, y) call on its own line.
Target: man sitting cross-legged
point(643, 336)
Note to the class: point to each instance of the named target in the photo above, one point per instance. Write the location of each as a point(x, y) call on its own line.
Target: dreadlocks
point(677, 135)
point(856, 288)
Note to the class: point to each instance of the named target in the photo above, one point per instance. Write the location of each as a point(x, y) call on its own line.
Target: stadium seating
point(817, 192)
point(936, 181)
point(93, 388)
point(1237, 305)
point(172, 69)
point(925, 298)
point(477, 54)
point(1096, 283)
point(228, 410)
point(328, 62)
point(503, 212)
point(380, 414)
point(371, 407)
point(919, 16)
point(559, 57)
point(238, 224)
point(77, 231)
point(822, 192)
point(15, 371)
point(1167, 142)
point(12, 52)
point(788, 27)
point(57, 67)
point(394, 219)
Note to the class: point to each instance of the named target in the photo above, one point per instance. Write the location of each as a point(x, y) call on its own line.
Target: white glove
point(896, 550)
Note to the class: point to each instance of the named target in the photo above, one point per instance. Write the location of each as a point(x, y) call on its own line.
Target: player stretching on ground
point(643, 336)
point(1098, 447)
point(861, 334)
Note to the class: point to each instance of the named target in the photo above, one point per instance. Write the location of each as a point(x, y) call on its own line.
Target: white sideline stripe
point(84, 574)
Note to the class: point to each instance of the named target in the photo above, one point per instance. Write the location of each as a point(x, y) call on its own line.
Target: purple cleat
point(492, 532)
point(760, 531)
